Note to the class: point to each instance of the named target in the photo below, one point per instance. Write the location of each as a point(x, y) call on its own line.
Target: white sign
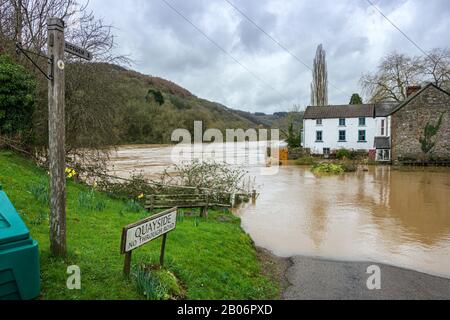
point(139, 233)
point(77, 51)
point(61, 65)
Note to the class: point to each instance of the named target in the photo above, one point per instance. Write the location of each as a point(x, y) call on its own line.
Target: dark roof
point(381, 109)
point(343, 111)
point(384, 108)
point(382, 143)
point(416, 94)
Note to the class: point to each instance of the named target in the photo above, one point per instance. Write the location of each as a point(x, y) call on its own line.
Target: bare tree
point(436, 67)
point(25, 21)
point(319, 85)
point(7, 25)
point(398, 71)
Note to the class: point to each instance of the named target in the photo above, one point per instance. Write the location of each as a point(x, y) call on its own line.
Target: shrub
point(328, 168)
point(348, 166)
point(359, 155)
point(343, 154)
point(156, 95)
point(156, 284)
point(293, 138)
point(218, 177)
point(16, 98)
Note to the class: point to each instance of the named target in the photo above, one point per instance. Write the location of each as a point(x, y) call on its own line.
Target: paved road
point(312, 278)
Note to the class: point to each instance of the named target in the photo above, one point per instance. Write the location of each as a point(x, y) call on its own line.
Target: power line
point(278, 43)
point(268, 35)
point(223, 50)
point(403, 33)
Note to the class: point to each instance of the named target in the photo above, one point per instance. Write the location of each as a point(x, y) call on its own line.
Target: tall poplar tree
point(319, 85)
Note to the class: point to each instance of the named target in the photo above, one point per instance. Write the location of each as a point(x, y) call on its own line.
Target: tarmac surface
point(318, 279)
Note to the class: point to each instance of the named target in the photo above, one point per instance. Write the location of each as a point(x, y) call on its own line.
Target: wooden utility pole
point(56, 130)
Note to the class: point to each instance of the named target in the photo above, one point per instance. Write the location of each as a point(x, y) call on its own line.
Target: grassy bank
point(213, 258)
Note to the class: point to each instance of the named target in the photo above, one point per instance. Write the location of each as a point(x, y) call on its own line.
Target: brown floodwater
point(383, 215)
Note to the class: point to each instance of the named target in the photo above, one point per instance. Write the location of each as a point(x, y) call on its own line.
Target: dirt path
point(274, 268)
point(311, 278)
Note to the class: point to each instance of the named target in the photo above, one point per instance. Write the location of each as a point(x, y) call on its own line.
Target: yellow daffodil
point(140, 196)
point(70, 172)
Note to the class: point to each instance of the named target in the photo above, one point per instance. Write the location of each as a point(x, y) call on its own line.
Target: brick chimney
point(412, 89)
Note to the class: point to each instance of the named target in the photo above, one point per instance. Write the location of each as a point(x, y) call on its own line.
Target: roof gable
point(415, 95)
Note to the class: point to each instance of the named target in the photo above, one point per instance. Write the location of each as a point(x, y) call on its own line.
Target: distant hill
point(149, 108)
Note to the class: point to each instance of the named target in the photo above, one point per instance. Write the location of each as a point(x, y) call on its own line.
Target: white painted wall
point(330, 134)
point(387, 124)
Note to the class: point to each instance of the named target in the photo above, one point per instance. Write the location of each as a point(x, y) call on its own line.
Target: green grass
point(212, 259)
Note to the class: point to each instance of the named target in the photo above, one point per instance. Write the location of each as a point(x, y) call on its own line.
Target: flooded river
point(395, 217)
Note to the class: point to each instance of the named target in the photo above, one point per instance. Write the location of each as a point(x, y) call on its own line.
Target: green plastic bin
point(19, 256)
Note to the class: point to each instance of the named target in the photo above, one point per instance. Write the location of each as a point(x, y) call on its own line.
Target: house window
point(319, 136)
point(342, 122)
point(319, 122)
point(326, 151)
point(383, 155)
point(362, 136)
point(383, 127)
point(362, 122)
point(342, 135)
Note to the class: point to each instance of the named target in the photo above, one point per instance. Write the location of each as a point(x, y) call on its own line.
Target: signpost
point(56, 46)
point(56, 131)
point(144, 231)
point(77, 51)
point(56, 134)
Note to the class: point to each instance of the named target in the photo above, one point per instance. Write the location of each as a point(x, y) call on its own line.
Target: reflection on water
point(383, 215)
point(395, 217)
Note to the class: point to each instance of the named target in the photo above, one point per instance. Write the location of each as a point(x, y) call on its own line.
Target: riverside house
point(417, 129)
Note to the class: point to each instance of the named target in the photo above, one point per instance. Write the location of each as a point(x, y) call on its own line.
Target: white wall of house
point(330, 134)
point(383, 129)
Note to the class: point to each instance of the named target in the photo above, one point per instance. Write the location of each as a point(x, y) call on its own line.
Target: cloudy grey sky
point(354, 35)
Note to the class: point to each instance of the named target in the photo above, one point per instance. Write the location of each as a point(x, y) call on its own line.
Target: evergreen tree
point(293, 139)
point(356, 99)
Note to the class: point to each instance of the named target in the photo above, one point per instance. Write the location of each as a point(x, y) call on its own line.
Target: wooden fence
point(196, 200)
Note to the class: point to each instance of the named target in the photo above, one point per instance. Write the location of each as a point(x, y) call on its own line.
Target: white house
point(354, 127)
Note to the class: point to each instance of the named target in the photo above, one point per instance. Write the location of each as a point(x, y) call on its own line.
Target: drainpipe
point(303, 140)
